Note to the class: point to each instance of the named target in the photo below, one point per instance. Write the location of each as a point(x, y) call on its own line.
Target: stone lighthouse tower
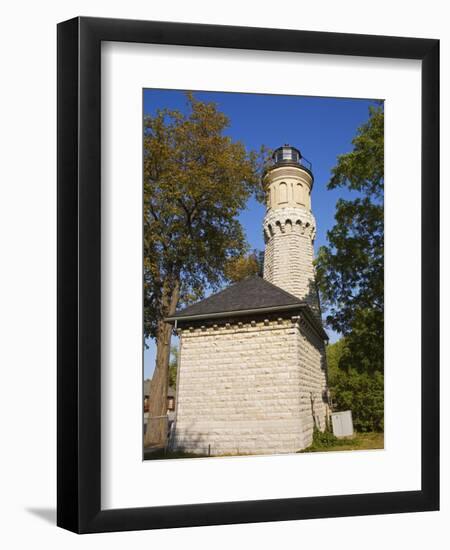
point(289, 226)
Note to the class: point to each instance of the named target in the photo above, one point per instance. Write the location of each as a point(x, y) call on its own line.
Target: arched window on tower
point(282, 193)
point(272, 198)
point(298, 194)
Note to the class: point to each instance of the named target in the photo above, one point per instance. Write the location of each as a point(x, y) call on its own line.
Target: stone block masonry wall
point(289, 254)
point(244, 388)
point(313, 381)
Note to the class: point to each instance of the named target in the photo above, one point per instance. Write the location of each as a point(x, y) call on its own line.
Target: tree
point(240, 267)
point(350, 270)
point(196, 180)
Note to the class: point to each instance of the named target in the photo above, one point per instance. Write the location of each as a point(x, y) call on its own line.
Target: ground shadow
point(46, 514)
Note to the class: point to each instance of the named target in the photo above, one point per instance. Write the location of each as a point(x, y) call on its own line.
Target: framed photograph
point(248, 255)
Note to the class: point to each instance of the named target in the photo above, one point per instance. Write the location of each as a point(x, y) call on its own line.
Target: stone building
point(252, 368)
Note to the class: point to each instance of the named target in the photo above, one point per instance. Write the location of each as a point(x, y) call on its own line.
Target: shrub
point(361, 392)
point(323, 439)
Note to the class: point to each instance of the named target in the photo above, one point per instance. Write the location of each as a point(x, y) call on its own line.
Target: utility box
point(342, 423)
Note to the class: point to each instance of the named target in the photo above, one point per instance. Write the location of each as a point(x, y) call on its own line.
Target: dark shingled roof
point(250, 294)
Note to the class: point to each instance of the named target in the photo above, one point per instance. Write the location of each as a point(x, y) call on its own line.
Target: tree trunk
point(156, 433)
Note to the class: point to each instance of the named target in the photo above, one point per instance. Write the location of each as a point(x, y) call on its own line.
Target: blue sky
point(322, 128)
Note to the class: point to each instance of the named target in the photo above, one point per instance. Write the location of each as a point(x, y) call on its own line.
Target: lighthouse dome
point(287, 155)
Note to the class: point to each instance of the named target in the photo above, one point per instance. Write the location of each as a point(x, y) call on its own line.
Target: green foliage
point(360, 441)
point(350, 273)
point(173, 366)
point(323, 439)
point(196, 180)
point(351, 279)
point(363, 168)
point(350, 270)
point(335, 352)
point(351, 389)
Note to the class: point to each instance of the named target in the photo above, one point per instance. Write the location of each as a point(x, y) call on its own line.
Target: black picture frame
point(79, 280)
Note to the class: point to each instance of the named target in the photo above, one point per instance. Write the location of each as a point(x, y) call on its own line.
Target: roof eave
point(176, 319)
point(235, 313)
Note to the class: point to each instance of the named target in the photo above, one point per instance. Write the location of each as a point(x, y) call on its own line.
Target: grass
point(359, 442)
point(323, 442)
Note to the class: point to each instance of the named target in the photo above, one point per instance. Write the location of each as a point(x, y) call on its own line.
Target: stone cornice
point(282, 220)
point(288, 170)
point(301, 316)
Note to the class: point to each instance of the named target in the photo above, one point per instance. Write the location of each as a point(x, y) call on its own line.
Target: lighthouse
point(252, 368)
point(289, 226)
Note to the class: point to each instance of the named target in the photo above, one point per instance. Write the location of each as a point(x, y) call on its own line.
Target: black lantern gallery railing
point(290, 155)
